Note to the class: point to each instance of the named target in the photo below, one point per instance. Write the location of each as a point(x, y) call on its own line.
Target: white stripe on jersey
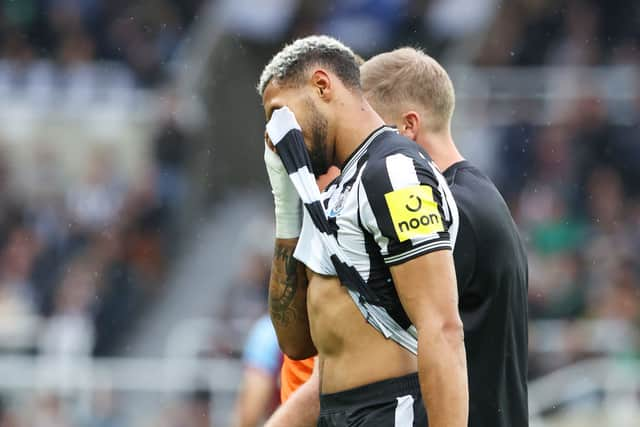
point(304, 175)
point(401, 171)
point(311, 249)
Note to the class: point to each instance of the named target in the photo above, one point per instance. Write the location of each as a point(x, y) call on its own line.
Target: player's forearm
point(288, 301)
point(443, 376)
point(303, 407)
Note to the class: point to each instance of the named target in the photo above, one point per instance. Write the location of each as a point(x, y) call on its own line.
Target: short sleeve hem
point(415, 252)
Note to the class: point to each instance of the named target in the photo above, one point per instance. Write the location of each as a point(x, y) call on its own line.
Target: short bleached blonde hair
point(409, 78)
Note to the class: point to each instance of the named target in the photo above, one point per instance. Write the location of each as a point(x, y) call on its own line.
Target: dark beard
point(318, 149)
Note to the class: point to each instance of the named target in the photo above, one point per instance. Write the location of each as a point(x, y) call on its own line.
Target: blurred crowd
point(72, 33)
point(565, 32)
point(79, 259)
point(573, 188)
point(518, 32)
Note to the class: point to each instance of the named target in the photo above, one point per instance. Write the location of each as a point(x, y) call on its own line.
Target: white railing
point(605, 390)
point(118, 374)
point(44, 89)
point(617, 383)
point(592, 336)
point(542, 95)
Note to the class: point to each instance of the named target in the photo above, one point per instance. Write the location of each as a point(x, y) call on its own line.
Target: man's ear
point(321, 83)
point(410, 125)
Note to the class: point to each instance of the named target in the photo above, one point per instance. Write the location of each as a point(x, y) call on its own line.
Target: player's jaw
point(316, 140)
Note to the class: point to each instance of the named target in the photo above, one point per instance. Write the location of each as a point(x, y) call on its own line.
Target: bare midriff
point(351, 351)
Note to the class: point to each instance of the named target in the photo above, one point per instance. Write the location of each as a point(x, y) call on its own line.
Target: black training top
point(491, 266)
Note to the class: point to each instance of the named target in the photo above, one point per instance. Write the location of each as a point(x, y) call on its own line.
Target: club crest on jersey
point(335, 210)
point(414, 212)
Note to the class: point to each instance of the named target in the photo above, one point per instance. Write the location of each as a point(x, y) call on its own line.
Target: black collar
point(362, 148)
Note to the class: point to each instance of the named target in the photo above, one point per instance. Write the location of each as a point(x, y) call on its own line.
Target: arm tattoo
point(284, 285)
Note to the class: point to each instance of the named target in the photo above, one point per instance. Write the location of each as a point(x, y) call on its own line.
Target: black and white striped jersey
point(389, 205)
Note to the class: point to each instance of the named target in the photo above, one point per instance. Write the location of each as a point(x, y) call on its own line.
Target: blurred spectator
point(46, 206)
point(259, 395)
point(18, 304)
point(194, 409)
point(198, 406)
point(95, 204)
point(579, 44)
point(120, 293)
point(267, 21)
point(451, 19)
point(49, 411)
point(170, 154)
point(105, 411)
point(380, 20)
point(7, 417)
point(245, 302)
point(69, 331)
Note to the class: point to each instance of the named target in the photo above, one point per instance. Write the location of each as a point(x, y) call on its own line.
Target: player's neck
point(441, 149)
point(362, 121)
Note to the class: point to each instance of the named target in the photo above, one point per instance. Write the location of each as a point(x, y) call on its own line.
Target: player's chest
point(341, 203)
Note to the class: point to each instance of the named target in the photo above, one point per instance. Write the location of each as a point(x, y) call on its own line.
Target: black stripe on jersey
point(418, 251)
point(350, 278)
point(443, 206)
point(381, 283)
point(316, 212)
point(292, 157)
point(376, 185)
point(355, 156)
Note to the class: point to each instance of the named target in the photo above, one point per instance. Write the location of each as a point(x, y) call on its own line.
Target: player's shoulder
point(473, 189)
point(392, 143)
point(479, 200)
point(391, 154)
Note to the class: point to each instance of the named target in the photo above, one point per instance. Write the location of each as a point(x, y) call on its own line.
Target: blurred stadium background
point(134, 251)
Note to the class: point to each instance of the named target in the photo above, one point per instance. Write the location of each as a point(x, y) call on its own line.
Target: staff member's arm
point(302, 409)
point(288, 282)
point(427, 289)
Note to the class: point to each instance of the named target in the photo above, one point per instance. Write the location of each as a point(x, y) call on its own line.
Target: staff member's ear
point(410, 125)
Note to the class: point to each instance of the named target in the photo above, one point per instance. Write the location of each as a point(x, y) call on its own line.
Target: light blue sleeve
point(261, 349)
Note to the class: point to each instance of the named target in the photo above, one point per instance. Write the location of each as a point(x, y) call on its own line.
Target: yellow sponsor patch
point(414, 212)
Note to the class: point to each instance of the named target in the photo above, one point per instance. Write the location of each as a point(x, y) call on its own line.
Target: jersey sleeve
point(403, 209)
point(261, 349)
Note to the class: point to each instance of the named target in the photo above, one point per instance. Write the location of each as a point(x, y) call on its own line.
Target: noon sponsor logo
point(416, 223)
point(414, 212)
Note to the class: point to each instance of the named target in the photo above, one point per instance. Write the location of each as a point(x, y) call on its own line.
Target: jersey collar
point(362, 148)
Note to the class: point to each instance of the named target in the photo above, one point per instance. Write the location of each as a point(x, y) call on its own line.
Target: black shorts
point(391, 403)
